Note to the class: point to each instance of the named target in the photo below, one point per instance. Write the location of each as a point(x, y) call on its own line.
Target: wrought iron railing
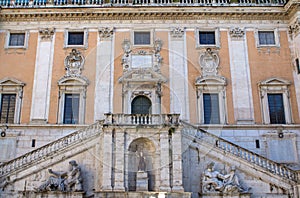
point(105, 3)
point(50, 149)
point(142, 119)
point(251, 157)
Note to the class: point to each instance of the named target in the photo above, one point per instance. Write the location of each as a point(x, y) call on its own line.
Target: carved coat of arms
point(209, 63)
point(74, 63)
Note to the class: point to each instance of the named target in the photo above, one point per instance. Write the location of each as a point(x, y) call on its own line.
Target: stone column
point(178, 73)
point(42, 76)
point(177, 163)
point(119, 164)
point(107, 160)
point(104, 73)
point(240, 77)
point(164, 162)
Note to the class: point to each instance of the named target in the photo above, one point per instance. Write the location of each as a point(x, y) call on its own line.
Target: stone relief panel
point(141, 58)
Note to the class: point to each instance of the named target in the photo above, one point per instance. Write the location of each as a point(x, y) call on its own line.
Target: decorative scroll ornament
point(177, 32)
point(237, 33)
point(126, 45)
point(106, 32)
point(295, 27)
point(46, 34)
point(64, 181)
point(214, 181)
point(74, 63)
point(157, 57)
point(209, 63)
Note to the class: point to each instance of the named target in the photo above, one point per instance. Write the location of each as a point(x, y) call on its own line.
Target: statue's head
point(210, 166)
point(72, 164)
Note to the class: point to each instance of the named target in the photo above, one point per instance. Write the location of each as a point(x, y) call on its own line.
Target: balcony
point(124, 3)
point(141, 119)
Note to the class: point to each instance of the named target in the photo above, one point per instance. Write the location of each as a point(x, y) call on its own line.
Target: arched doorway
point(141, 105)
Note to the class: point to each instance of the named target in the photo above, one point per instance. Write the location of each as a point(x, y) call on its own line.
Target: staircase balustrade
point(142, 119)
point(50, 149)
point(251, 157)
point(105, 3)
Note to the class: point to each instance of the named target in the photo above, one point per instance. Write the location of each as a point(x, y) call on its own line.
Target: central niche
point(141, 105)
point(146, 148)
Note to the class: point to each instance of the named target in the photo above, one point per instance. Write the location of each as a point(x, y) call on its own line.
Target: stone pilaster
point(119, 161)
point(104, 73)
point(42, 77)
point(240, 77)
point(178, 73)
point(107, 160)
point(164, 163)
point(177, 163)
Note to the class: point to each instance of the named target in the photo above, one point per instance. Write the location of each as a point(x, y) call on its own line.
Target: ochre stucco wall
point(20, 64)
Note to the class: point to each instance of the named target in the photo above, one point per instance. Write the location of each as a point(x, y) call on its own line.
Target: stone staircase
point(257, 166)
point(68, 146)
point(49, 150)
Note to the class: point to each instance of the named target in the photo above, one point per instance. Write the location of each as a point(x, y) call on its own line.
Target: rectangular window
point(297, 65)
point(71, 109)
point(207, 38)
point(211, 109)
point(16, 39)
point(8, 105)
point(276, 109)
point(75, 38)
point(142, 38)
point(266, 38)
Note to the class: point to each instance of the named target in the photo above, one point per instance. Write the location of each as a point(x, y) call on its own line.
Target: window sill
point(199, 47)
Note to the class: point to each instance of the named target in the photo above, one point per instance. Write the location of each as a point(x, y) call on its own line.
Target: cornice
point(143, 13)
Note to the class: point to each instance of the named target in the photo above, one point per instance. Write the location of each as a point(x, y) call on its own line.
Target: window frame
point(65, 104)
point(142, 30)
point(13, 86)
point(276, 38)
point(8, 37)
point(72, 85)
point(85, 38)
point(211, 85)
point(14, 107)
point(204, 108)
point(275, 86)
point(269, 105)
point(217, 38)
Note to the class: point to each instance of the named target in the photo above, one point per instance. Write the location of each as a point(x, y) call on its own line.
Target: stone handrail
point(249, 156)
point(106, 3)
point(142, 119)
point(49, 149)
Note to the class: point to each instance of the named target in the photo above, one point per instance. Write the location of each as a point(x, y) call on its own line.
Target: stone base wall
point(142, 194)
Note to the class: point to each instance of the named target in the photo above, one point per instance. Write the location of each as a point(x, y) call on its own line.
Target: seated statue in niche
point(214, 181)
point(65, 181)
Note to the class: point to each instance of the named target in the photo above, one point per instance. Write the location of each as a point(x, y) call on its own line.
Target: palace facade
point(161, 98)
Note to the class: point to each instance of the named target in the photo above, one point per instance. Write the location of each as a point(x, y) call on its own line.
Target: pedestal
point(225, 195)
point(141, 181)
